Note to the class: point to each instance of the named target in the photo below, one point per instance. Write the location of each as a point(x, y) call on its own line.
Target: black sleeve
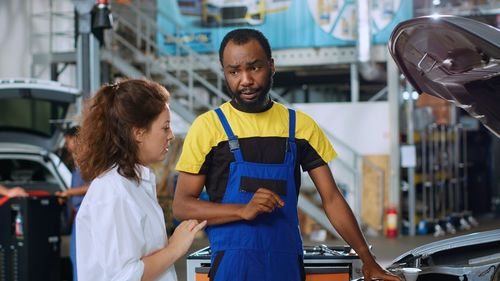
point(308, 157)
point(205, 166)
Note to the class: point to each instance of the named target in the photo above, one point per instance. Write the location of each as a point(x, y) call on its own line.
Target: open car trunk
point(31, 111)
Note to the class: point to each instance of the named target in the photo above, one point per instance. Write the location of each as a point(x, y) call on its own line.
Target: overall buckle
point(234, 144)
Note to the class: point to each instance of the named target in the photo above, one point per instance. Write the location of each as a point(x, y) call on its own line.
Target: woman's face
point(153, 143)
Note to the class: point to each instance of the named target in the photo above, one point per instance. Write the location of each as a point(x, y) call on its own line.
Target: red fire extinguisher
point(392, 222)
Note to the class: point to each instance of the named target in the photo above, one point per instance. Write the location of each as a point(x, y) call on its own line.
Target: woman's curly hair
point(106, 137)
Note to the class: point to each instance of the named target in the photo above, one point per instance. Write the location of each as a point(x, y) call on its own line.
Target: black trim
point(302, 268)
point(215, 266)
point(266, 150)
point(249, 184)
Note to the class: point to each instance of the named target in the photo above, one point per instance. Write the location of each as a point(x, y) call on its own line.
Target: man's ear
point(138, 134)
point(273, 69)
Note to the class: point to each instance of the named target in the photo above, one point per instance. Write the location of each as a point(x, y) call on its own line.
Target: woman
point(120, 227)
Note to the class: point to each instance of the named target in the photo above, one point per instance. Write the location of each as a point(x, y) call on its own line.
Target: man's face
point(69, 142)
point(248, 73)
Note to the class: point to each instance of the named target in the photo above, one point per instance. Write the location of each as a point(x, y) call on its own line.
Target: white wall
point(21, 23)
point(364, 125)
point(15, 58)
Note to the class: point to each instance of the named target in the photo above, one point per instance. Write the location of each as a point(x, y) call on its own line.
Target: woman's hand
point(183, 236)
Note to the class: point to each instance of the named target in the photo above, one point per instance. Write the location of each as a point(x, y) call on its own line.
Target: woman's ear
point(138, 134)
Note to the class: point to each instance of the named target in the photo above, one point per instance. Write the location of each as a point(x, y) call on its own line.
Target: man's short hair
point(71, 131)
point(241, 36)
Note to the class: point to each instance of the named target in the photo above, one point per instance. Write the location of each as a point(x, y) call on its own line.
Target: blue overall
point(268, 248)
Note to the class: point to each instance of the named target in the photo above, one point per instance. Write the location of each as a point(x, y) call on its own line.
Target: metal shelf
point(291, 58)
point(465, 9)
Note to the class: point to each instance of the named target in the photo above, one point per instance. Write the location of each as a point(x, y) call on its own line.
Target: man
point(78, 185)
point(248, 155)
point(76, 193)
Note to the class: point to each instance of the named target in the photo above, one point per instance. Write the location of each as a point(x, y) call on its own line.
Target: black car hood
point(454, 58)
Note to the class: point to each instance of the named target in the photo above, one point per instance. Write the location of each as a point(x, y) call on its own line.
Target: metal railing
point(145, 51)
point(135, 53)
point(51, 31)
point(142, 49)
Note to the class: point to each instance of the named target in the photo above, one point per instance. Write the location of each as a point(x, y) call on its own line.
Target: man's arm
point(186, 204)
point(16, 191)
point(74, 191)
point(340, 215)
point(3, 190)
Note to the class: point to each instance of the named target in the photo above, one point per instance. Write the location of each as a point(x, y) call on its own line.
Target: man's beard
point(257, 105)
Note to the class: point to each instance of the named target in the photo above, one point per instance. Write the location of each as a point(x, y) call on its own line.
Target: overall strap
point(290, 144)
point(291, 126)
point(234, 145)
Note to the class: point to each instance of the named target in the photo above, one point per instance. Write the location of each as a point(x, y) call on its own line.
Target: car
point(230, 12)
point(456, 59)
point(32, 115)
point(474, 256)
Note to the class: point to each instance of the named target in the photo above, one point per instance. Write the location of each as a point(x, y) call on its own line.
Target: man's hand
point(373, 271)
point(16, 192)
point(62, 196)
point(263, 201)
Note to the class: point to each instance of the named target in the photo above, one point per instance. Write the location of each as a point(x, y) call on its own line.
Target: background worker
point(75, 193)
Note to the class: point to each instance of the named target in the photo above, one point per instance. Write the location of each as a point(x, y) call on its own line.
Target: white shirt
point(119, 222)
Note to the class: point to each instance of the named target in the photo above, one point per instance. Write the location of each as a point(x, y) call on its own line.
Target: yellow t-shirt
point(262, 137)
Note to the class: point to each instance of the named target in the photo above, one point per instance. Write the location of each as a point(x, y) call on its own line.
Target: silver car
point(30, 115)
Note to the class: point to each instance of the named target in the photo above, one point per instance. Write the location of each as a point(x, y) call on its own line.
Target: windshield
point(23, 114)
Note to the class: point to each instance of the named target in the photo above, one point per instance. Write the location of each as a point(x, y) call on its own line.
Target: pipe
point(368, 69)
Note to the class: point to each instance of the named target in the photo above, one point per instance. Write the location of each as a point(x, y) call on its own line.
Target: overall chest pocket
point(251, 184)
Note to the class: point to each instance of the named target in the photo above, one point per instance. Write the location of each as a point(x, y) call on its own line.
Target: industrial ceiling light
point(101, 15)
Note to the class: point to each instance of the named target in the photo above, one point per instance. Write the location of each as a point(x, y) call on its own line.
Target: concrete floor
point(385, 249)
